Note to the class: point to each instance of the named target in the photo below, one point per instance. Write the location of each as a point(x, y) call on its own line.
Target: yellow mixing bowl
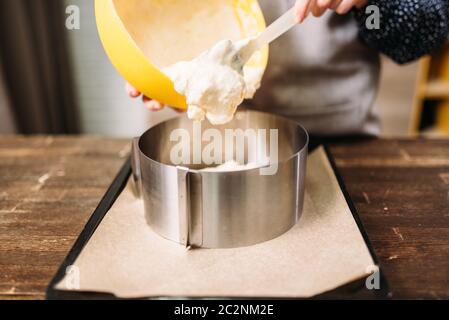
point(140, 36)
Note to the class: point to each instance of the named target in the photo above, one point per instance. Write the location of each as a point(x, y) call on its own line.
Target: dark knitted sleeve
point(408, 29)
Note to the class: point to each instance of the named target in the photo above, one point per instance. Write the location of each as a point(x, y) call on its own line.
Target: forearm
point(408, 29)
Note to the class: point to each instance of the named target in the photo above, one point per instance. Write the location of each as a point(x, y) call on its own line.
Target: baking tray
point(353, 290)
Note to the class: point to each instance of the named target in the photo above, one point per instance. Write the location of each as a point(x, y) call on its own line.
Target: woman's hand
point(319, 7)
point(151, 104)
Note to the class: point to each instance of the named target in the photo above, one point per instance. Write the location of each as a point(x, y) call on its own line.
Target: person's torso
point(320, 74)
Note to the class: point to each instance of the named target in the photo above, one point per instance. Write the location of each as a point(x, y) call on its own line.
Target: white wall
point(104, 107)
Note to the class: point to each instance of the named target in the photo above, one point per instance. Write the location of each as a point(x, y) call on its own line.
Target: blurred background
point(56, 80)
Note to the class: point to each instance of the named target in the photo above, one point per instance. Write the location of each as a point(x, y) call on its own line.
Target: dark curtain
point(36, 67)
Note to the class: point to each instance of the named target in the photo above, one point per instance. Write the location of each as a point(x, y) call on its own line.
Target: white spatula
point(283, 24)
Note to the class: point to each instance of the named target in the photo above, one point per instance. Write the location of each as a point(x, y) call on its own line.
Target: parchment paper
point(322, 252)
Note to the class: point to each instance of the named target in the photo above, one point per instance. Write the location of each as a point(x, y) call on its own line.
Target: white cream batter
point(233, 165)
point(214, 84)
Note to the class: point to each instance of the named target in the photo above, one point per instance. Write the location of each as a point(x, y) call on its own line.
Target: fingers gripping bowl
point(194, 206)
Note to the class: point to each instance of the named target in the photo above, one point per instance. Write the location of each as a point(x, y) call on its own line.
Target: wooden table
point(49, 186)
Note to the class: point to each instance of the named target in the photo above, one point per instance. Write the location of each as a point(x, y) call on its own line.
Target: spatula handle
point(284, 23)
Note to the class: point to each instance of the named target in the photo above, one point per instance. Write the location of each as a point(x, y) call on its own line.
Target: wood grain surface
point(49, 186)
point(401, 191)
